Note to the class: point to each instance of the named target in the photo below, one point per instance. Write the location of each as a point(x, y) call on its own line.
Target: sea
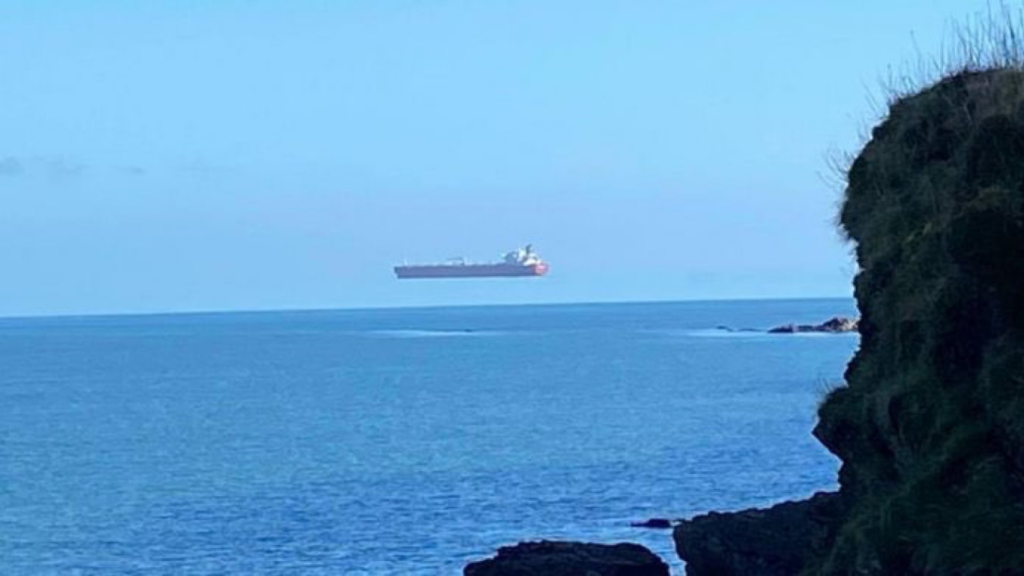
point(397, 441)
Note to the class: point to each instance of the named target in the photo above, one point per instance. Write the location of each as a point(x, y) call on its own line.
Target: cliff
point(930, 424)
point(930, 427)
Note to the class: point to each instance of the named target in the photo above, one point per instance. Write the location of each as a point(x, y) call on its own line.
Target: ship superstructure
point(523, 262)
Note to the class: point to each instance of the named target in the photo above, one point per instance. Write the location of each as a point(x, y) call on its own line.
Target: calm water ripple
point(395, 441)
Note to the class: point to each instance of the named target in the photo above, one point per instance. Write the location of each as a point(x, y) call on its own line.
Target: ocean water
point(396, 441)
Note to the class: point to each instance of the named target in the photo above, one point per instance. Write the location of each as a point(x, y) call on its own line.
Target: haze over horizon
point(268, 155)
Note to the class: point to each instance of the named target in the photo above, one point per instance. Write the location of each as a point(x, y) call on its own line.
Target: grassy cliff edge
point(930, 427)
point(930, 424)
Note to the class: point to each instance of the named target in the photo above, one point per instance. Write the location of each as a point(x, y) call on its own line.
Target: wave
point(466, 333)
point(722, 333)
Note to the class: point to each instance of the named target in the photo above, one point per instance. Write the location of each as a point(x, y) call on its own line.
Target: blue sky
point(258, 155)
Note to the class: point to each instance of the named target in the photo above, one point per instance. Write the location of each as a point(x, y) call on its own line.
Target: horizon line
point(212, 312)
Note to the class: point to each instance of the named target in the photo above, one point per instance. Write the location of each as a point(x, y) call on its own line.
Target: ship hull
point(470, 271)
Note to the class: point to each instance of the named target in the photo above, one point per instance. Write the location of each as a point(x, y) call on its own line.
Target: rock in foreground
point(570, 559)
point(775, 541)
point(837, 325)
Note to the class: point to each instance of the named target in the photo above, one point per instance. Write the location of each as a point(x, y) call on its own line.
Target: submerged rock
point(757, 542)
point(836, 325)
point(731, 329)
point(653, 523)
point(547, 558)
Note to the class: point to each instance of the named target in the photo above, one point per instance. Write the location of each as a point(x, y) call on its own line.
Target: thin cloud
point(49, 166)
point(132, 170)
point(11, 167)
point(203, 168)
point(60, 168)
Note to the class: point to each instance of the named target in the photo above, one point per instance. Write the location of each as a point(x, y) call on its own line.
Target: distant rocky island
point(834, 325)
point(930, 424)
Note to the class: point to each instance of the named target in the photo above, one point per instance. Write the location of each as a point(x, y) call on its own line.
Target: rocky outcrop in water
point(837, 325)
point(770, 542)
point(570, 559)
point(654, 523)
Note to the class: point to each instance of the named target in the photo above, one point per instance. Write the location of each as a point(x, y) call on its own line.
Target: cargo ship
point(517, 263)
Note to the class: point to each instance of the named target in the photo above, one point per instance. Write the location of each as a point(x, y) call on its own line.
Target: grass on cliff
point(989, 40)
point(930, 426)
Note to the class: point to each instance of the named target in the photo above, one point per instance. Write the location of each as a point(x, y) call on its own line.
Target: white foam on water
point(433, 333)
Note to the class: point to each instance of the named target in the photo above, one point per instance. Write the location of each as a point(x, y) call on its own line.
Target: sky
point(183, 156)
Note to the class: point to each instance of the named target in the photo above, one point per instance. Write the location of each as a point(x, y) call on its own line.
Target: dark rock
point(547, 558)
point(757, 542)
point(653, 523)
point(837, 325)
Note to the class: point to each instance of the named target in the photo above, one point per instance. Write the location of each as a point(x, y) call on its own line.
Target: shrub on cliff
point(930, 427)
